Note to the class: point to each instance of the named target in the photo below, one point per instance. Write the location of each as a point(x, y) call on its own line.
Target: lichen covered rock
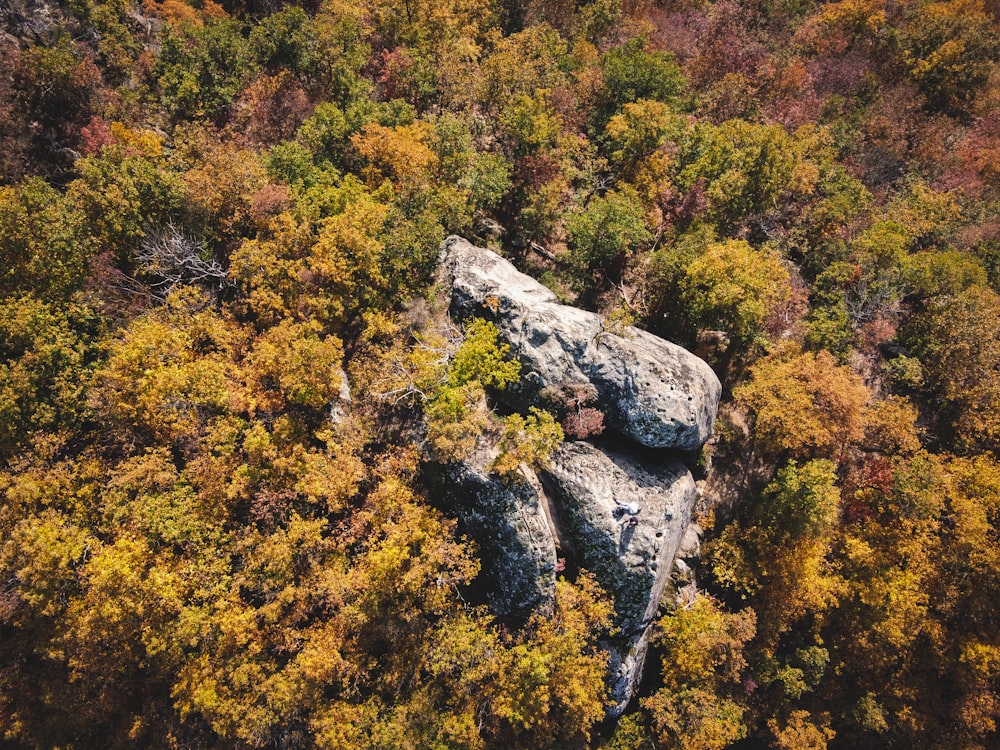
point(618, 508)
point(624, 515)
point(656, 392)
point(626, 519)
point(508, 521)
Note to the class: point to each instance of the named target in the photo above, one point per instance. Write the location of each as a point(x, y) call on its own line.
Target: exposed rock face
point(617, 509)
point(625, 517)
point(340, 407)
point(511, 525)
point(653, 391)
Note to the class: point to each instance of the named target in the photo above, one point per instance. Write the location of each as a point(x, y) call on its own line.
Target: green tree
point(43, 245)
point(748, 169)
point(632, 72)
point(608, 228)
point(734, 287)
point(123, 189)
point(287, 40)
point(456, 411)
point(201, 69)
point(638, 131)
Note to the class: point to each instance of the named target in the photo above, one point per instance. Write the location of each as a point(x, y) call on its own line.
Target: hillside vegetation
point(214, 218)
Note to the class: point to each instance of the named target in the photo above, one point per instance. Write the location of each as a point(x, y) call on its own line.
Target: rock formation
point(618, 508)
point(512, 526)
point(655, 392)
point(624, 516)
point(340, 407)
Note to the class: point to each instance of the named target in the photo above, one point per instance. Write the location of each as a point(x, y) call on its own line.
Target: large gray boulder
point(512, 528)
point(617, 509)
point(652, 390)
point(623, 515)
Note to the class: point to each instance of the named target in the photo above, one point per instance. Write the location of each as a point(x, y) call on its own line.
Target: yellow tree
point(958, 343)
point(698, 707)
point(734, 287)
point(804, 405)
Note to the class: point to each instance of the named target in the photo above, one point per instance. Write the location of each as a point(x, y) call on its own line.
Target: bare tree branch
point(170, 257)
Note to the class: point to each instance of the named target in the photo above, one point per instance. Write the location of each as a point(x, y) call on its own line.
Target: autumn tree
point(778, 555)
point(47, 354)
point(127, 186)
point(699, 706)
point(51, 92)
point(551, 685)
point(803, 404)
point(527, 440)
point(43, 243)
point(949, 50)
point(170, 372)
point(957, 342)
point(734, 287)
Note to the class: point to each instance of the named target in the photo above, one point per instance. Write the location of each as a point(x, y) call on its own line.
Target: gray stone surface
point(597, 493)
point(509, 523)
point(617, 509)
point(656, 392)
point(341, 406)
point(625, 667)
point(624, 515)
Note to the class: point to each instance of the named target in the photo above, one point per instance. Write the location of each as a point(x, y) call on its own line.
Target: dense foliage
point(214, 216)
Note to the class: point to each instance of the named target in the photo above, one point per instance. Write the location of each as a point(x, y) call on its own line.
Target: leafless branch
point(170, 257)
point(450, 338)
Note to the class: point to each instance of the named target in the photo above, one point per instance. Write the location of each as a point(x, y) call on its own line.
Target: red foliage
point(271, 507)
point(119, 295)
point(787, 317)
point(271, 109)
point(584, 423)
point(841, 74)
point(684, 209)
point(535, 170)
point(269, 202)
point(794, 100)
point(678, 30)
point(876, 332)
point(974, 163)
point(730, 42)
point(393, 74)
point(47, 95)
point(864, 486)
point(95, 135)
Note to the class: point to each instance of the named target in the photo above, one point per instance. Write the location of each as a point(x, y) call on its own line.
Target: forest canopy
point(225, 379)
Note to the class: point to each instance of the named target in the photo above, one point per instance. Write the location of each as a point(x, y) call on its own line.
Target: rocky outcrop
point(624, 515)
point(625, 519)
point(618, 508)
point(341, 406)
point(513, 530)
point(655, 392)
